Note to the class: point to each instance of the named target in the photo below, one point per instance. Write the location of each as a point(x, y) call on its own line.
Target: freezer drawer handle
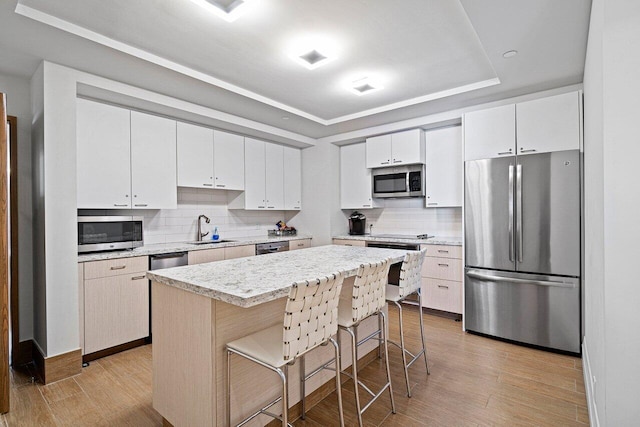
point(492, 278)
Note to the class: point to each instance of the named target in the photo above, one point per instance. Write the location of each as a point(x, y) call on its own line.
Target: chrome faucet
point(200, 233)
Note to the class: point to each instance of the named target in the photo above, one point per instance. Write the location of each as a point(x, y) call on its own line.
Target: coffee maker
point(357, 223)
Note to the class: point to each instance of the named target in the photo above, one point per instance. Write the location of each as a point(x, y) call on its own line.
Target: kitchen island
point(198, 309)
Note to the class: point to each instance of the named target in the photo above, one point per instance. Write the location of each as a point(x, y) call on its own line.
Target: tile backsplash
point(179, 225)
point(410, 216)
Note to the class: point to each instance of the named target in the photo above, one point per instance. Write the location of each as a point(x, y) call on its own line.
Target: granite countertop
point(165, 248)
point(246, 282)
point(436, 240)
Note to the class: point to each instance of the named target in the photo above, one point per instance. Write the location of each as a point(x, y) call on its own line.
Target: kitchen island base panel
point(189, 358)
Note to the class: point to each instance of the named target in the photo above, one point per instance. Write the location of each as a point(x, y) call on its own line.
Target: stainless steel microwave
point(399, 181)
point(108, 233)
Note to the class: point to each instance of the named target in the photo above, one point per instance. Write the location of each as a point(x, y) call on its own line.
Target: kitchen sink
point(206, 242)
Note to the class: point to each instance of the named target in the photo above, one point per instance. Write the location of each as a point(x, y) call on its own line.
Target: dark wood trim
point(16, 354)
point(432, 311)
point(24, 354)
point(4, 264)
point(113, 350)
point(166, 423)
point(56, 368)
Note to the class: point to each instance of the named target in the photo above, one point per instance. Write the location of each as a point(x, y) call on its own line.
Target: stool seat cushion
point(264, 345)
point(392, 293)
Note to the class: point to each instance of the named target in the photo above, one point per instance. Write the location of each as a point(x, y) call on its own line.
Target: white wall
point(612, 230)
point(17, 90)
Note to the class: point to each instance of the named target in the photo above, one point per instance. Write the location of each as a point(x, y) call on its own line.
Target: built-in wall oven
point(108, 233)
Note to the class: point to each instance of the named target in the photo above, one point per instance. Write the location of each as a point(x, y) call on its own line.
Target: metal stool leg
point(386, 359)
point(285, 395)
point(303, 374)
point(424, 346)
point(228, 388)
point(402, 348)
point(354, 368)
point(338, 381)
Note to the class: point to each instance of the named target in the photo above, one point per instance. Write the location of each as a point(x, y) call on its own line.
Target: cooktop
point(404, 236)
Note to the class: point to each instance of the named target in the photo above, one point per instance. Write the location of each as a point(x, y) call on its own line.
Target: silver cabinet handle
point(208, 185)
point(519, 211)
point(138, 277)
point(505, 152)
point(442, 251)
point(366, 206)
point(348, 244)
point(300, 244)
point(443, 286)
point(510, 225)
point(492, 278)
point(432, 204)
point(296, 207)
point(119, 267)
point(397, 161)
point(443, 265)
point(385, 163)
point(121, 206)
point(140, 205)
point(531, 150)
point(220, 185)
point(271, 207)
point(260, 207)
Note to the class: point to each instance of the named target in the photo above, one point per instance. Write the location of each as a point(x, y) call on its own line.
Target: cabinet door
point(407, 147)
point(444, 167)
point(346, 242)
point(228, 160)
point(254, 185)
point(490, 133)
point(294, 245)
point(378, 151)
point(355, 178)
point(195, 156)
point(292, 179)
point(274, 180)
point(205, 255)
point(153, 162)
point(549, 124)
point(444, 295)
point(103, 156)
point(233, 252)
point(116, 311)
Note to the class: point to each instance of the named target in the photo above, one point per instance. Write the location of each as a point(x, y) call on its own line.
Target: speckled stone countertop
point(436, 240)
point(165, 248)
point(246, 282)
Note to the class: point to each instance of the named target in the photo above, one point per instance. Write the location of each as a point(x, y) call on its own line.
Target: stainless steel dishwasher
point(271, 247)
point(160, 261)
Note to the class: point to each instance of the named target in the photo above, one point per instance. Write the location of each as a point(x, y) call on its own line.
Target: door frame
point(4, 267)
point(14, 303)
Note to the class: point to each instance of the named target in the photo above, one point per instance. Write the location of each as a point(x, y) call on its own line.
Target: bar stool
point(410, 281)
point(310, 320)
point(368, 299)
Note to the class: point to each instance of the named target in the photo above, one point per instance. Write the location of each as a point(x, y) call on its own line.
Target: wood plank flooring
point(474, 381)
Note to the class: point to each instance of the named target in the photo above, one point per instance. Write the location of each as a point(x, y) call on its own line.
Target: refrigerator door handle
point(492, 278)
point(511, 242)
point(519, 211)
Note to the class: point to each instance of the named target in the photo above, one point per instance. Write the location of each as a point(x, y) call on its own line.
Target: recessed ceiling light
point(313, 58)
point(229, 10)
point(364, 86)
point(312, 50)
point(509, 54)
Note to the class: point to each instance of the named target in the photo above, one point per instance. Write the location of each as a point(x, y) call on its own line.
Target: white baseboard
point(588, 385)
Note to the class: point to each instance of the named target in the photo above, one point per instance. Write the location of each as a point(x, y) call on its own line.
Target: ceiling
point(429, 55)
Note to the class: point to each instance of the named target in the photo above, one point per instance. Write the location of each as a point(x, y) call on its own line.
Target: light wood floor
point(474, 381)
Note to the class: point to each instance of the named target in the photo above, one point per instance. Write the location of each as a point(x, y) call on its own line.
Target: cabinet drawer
point(299, 244)
point(348, 242)
point(115, 267)
point(442, 268)
point(206, 255)
point(239, 251)
point(443, 251)
point(445, 295)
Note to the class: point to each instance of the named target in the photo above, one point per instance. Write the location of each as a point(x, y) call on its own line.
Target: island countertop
point(246, 282)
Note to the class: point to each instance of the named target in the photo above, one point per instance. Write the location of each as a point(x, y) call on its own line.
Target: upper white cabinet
point(292, 178)
point(539, 126)
point(210, 158)
point(153, 162)
point(549, 124)
point(103, 156)
point(444, 161)
point(266, 165)
point(195, 156)
point(228, 160)
point(395, 149)
point(355, 178)
point(126, 159)
point(490, 133)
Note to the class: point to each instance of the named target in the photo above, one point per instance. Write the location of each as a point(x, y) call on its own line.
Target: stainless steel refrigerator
point(522, 253)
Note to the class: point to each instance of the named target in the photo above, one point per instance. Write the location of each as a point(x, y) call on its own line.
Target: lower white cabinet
point(355, 178)
point(116, 302)
point(220, 254)
point(443, 181)
point(299, 244)
point(348, 242)
point(442, 272)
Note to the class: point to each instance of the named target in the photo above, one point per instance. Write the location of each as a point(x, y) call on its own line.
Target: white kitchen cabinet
point(103, 156)
point(228, 160)
point(195, 156)
point(294, 245)
point(442, 273)
point(401, 148)
point(255, 170)
point(443, 181)
point(355, 178)
point(490, 133)
point(153, 162)
point(292, 178)
point(549, 124)
point(274, 177)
